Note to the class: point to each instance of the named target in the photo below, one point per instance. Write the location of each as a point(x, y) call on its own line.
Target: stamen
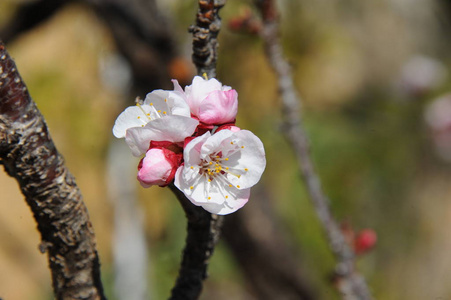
point(144, 112)
point(246, 169)
point(205, 76)
point(238, 186)
point(191, 187)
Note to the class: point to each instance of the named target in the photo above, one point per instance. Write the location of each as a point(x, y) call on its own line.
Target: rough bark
point(205, 36)
point(28, 154)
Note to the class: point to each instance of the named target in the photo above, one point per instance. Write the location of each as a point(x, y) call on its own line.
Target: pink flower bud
point(365, 241)
point(219, 107)
point(158, 167)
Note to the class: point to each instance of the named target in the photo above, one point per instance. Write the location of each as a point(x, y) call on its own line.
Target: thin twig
point(350, 283)
point(28, 154)
point(203, 228)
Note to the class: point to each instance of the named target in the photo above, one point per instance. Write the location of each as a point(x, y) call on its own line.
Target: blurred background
point(375, 80)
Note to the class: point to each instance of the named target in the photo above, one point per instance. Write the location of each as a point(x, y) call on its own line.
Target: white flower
point(209, 100)
point(220, 169)
point(163, 116)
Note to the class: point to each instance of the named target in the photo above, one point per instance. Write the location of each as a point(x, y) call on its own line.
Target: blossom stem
point(203, 233)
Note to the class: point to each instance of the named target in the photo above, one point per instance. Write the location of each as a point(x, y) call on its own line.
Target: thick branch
point(350, 283)
point(205, 33)
point(29, 155)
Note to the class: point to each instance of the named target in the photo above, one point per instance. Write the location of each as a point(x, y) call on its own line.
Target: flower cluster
point(188, 136)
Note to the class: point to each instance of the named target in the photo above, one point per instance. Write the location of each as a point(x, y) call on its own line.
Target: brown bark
point(28, 154)
point(203, 233)
point(205, 34)
point(203, 228)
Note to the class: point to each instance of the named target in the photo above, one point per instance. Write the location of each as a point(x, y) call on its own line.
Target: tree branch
point(203, 228)
point(205, 33)
point(203, 234)
point(28, 154)
point(350, 283)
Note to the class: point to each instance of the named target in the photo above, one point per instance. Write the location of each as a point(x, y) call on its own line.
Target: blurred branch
point(142, 35)
point(28, 154)
point(259, 245)
point(205, 33)
point(29, 15)
point(350, 283)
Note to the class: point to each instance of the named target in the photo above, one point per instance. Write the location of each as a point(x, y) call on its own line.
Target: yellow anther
point(238, 176)
point(159, 111)
point(246, 169)
point(242, 146)
point(216, 165)
point(164, 113)
point(231, 143)
point(209, 180)
point(211, 163)
point(209, 198)
point(226, 158)
point(139, 117)
point(191, 167)
point(148, 114)
point(142, 125)
point(191, 187)
point(230, 185)
point(226, 197)
point(227, 168)
point(238, 186)
point(165, 100)
point(205, 76)
point(151, 103)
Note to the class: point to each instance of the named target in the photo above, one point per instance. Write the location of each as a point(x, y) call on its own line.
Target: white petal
point(132, 116)
point(191, 153)
point(168, 102)
point(170, 128)
point(229, 206)
point(219, 141)
point(251, 160)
